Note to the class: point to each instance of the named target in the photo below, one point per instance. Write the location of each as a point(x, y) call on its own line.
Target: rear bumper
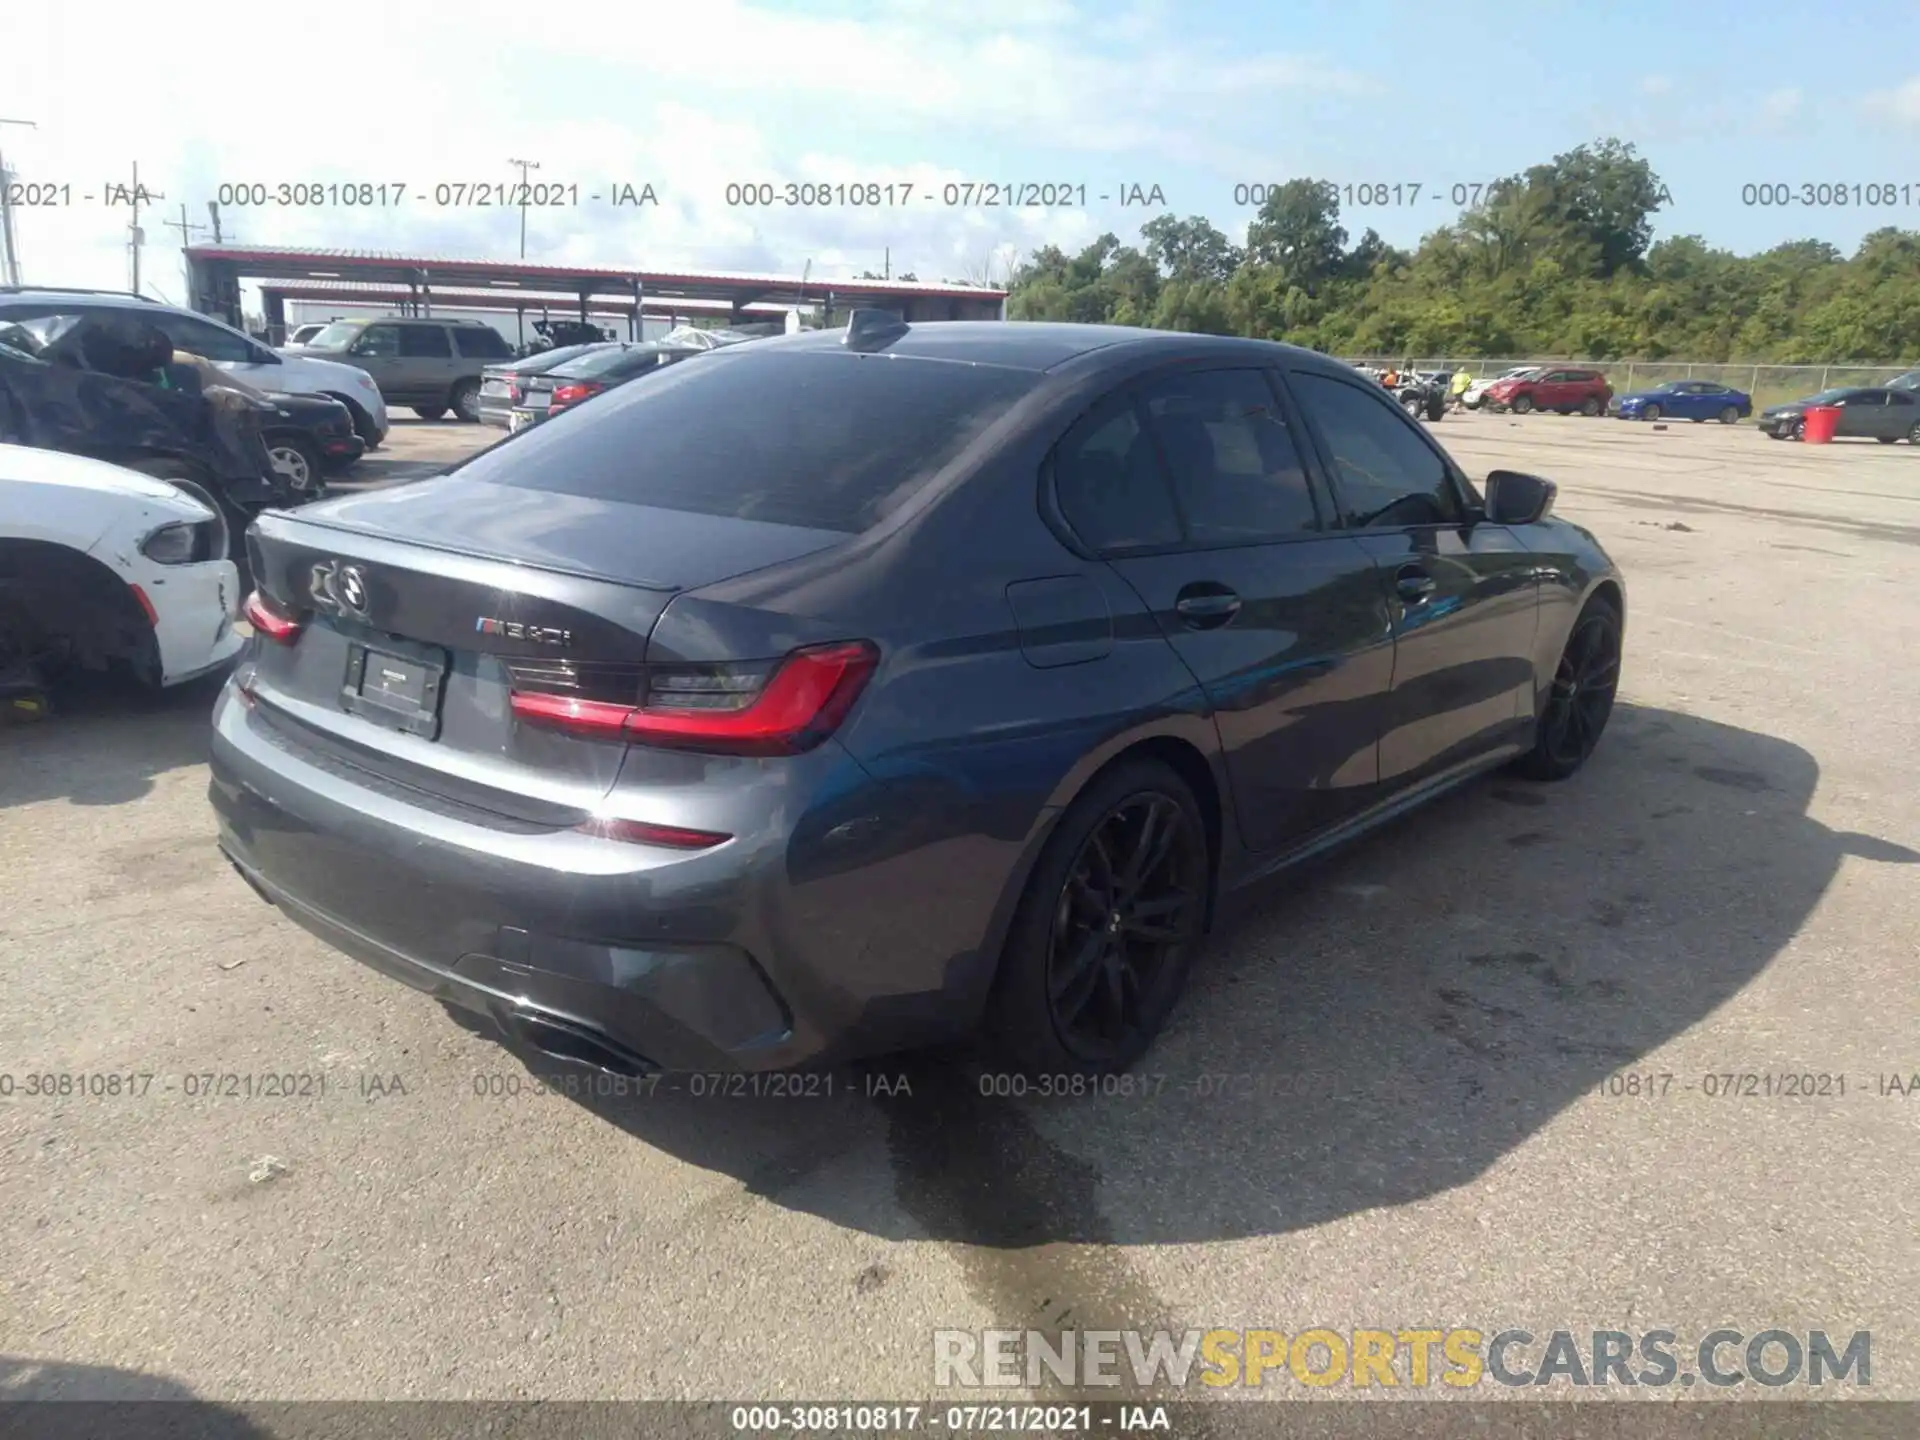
point(341, 450)
point(196, 607)
point(647, 960)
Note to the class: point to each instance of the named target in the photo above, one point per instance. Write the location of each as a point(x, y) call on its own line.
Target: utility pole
point(525, 166)
point(136, 237)
point(213, 214)
point(187, 232)
point(12, 256)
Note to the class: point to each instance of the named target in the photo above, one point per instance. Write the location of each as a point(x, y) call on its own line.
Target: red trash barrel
point(1821, 420)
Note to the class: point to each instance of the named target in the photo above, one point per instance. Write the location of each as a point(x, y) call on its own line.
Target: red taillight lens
point(268, 621)
point(513, 392)
point(667, 837)
point(564, 395)
point(146, 606)
point(727, 709)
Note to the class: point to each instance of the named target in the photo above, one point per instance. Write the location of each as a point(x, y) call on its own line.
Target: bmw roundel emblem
point(353, 589)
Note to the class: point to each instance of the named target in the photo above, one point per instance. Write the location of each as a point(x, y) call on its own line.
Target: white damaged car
point(103, 568)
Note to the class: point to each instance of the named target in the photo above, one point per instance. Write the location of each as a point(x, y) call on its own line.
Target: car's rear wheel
point(1730, 415)
point(1650, 412)
point(297, 462)
point(466, 401)
point(1913, 435)
point(1581, 697)
point(1590, 406)
point(430, 412)
point(1100, 945)
point(1522, 404)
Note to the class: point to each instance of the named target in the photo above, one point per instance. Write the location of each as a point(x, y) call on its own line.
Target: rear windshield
point(600, 362)
point(826, 441)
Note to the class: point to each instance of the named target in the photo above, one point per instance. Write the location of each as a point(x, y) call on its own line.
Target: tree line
point(1559, 260)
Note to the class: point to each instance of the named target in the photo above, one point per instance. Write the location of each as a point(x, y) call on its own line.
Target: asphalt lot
point(1426, 1024)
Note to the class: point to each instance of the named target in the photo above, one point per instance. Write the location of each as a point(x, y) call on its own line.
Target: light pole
point(6, 211)
point(525, 166)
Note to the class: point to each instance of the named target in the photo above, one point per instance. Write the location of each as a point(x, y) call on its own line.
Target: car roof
point(1043, 345)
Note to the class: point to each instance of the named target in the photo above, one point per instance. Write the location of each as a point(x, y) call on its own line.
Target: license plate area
point(396, 684)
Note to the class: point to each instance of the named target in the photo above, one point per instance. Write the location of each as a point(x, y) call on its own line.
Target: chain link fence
point(1767, 384)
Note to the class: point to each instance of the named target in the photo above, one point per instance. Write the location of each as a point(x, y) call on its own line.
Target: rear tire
point(430, 412)
point(1730, 415)
point(297, 462)
point(1099, 948)
point(466, 400)
point(1590, 407)
point(1580, 698)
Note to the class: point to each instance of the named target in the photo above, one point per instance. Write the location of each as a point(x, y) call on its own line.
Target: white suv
point(226, 347)
point(104, 567)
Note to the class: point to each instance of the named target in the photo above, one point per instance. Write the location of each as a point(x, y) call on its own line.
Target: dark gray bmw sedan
point(843, 691)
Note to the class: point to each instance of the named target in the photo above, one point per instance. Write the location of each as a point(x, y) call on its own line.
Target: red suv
point(1565, 391)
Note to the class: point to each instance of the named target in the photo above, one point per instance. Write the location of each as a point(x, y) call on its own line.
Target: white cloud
point(1902, 103)
point(1781, 104)
point(683, 96)
point(1657, 85)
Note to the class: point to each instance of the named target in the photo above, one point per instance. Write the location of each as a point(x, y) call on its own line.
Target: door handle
point(1413, 584)
point(1206, 609)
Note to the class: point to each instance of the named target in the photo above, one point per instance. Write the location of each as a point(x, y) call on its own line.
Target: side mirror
point(1517, 499)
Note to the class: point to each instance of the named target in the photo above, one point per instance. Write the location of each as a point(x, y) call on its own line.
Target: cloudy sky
point(1195, 98)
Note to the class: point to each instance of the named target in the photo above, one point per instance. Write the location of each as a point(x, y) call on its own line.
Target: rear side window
point(482, 342)
point(1109, 484)
point(1235, 468)
point(826, 441)
point(428, 342)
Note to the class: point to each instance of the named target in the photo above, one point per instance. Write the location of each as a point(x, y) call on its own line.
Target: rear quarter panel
point(969, 750)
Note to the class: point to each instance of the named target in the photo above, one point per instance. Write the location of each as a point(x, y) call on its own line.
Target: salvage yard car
point(584, 376)
point(237, 354)
point(431, 365)
point(835, 693)
point(108, 386)
point(1695, 400)
point(501, 384)
point(103, 568)
point(1563, 391)
point(1867, 412)
point(1476, 393)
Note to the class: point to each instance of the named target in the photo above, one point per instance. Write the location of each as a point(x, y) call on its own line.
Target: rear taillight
point(513, 392)
point(564, 395)
point(779, 709)
point(667, 837)
point(269, 621)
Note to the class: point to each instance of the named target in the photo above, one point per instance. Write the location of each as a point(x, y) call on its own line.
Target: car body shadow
point(54, 1400)
point(1387, 1026)
point(104, 739)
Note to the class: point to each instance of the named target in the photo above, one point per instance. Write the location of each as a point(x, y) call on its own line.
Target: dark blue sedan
point(1694, 400)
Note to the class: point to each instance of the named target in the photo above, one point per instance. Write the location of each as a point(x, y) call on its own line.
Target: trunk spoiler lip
point(466, 553)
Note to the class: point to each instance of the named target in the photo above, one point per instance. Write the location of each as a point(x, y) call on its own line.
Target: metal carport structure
point(416, 284)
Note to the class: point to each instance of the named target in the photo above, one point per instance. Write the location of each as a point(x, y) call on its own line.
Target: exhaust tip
point(571, 1045)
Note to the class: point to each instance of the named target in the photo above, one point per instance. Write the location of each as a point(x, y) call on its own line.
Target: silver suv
point(432, 366)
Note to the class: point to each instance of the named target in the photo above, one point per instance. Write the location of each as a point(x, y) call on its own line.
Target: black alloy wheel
point(1581, 697)
point(1099, 950)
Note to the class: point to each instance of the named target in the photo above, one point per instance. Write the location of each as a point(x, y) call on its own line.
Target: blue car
point(1694, 400)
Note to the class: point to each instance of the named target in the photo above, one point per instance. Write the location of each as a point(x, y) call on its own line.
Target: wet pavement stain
point(1751, 781)
point(1021, 1216)
point(1531, 799)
